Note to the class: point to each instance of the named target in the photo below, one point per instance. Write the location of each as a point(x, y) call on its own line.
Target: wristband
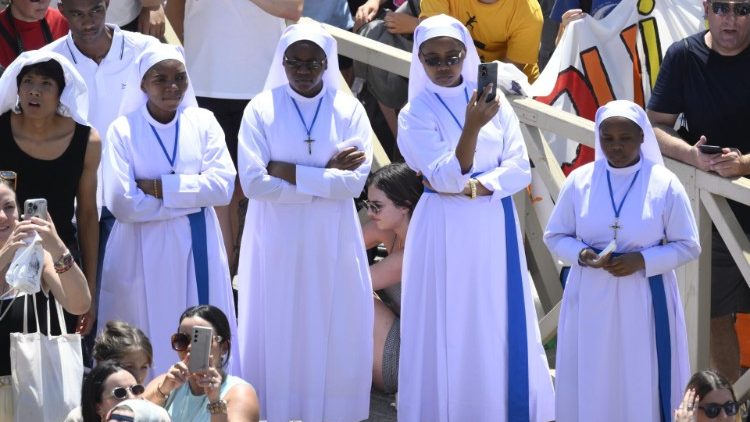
point(473, 186)
point(64, 263)
point(163, 395)
point(218, 407)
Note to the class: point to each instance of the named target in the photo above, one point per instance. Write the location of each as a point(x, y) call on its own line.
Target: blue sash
point(663, 342)
point(518, 360)
point(200, 253)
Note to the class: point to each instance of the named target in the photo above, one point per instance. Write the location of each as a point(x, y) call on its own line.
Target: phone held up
point(487, 75)
point(200, 349)
point(710, 149)
point(36, 207)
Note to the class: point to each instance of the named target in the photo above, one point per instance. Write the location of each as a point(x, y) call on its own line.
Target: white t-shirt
point(229, 46)
point(122, 12)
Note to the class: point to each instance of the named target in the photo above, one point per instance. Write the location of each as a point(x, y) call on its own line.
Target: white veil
point(635, 113)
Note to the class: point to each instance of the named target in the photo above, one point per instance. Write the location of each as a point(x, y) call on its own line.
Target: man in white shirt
point(229, 45)
point(104, 55)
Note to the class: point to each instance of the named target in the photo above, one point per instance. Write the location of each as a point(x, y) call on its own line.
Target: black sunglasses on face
point(712, 410)
point(372, 207)
point(121, 393)
point(312, 66)
point(181, 341)
point(433, 61)
point(723, 8)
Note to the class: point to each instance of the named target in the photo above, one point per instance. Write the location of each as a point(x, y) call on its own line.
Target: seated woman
point(709, 397)
point(125, 345)
point(199, 396)
point(392, 192)
point(165, 168)
point(47, 141)
point(62, 280)
point(105, 386)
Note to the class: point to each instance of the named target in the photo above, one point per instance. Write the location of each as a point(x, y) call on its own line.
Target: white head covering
point(144, 411)
point(309, 31)
point(74, 97)
point(440, 26)
point(134, 97)
point(633, 112)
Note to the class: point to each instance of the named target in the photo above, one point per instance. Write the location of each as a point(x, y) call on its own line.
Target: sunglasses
point(433, 61)
point(723, 8)
point(121, 393)
point(372, 207)
point(181, 341)
point(312, 65)
point(712, 410)
point(9, 177)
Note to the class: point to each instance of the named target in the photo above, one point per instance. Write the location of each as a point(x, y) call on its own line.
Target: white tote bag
point(47, 371)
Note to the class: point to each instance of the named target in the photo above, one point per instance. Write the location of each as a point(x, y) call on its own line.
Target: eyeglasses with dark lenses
point(722, 8)
point(712, 410)
point(433, 61)
point(181, 341)
point(372, 207)
point(9, 177)
point(121, 393)
point(312, 65)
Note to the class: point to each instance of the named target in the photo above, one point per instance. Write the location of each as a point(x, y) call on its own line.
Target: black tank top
point(13, 323)
point(55, 180)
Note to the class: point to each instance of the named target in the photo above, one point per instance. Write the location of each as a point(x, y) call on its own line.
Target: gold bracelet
point(473, 186)
point(158, 389)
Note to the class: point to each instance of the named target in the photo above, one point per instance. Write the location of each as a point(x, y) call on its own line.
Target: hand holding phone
point(487, 75)
point(36, 207)
point(710, 149)
point(200, 349)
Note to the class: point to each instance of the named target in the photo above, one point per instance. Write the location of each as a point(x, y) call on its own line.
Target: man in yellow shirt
point(506, 30)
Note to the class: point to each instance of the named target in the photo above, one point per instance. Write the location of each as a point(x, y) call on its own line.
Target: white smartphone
point(36, 207)
point(610, 248)
point(200, 349)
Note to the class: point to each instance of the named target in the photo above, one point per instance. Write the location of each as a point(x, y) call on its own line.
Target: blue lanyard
point(176, 140)
point(309, 140)
point(617, 209)
point(455, 119)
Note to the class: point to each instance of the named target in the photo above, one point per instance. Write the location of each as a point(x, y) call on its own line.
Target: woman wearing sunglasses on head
point(105, 386)
point(709, 397)
point(470, 344)
point(211, 395)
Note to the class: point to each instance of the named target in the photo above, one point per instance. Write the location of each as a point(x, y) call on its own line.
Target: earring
point(17, 108)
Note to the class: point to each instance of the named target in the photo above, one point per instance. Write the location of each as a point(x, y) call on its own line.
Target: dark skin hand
point(147, 186)
point(619, 266)
point(349, 158)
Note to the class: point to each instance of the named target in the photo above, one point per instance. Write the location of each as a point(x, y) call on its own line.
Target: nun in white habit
point(165, 167)
point(305, 307)
point(622, 348)
point(470, 344)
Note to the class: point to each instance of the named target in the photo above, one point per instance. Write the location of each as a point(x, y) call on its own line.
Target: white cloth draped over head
point(306, 31)
point(623, 108)
point(441, 26)
point(74, 96)
point(143, 410)
point(134, 97)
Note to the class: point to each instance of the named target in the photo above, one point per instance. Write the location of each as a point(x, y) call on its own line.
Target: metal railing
point(708, 195)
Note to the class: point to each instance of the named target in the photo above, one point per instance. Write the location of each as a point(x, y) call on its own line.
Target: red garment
point(32, 34)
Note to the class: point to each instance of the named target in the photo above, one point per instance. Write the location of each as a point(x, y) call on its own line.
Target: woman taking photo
point(61, 278)
point(306, 302)
point(209, 396)
point(165, 168)
point(470, 345)
point(621, 317)
point(709, 397)
point(47, 141)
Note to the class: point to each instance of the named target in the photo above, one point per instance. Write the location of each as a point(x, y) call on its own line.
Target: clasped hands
point(619, 266)
point(728, 163)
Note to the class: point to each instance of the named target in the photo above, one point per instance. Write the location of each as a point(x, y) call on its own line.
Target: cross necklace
point(616, 225)
point(309, 139)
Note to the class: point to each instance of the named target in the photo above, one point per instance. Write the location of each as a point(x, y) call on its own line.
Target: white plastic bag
point(25, 272)
point(511, 80)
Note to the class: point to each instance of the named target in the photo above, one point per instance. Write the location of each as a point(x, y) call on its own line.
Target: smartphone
point(487, 75)
point(200, 349)
point(710, 149)
point(610, 248)
point(36, 207)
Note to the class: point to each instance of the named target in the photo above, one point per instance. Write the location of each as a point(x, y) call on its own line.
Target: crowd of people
point(167, 178)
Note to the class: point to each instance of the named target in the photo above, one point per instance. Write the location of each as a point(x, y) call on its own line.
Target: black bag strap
point(414, 10)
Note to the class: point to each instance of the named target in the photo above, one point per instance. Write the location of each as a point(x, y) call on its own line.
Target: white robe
point(305, 307)
point(454, 337)
point(606, 352)
point(148, 276)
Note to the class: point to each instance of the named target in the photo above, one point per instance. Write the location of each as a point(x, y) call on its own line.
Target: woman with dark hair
point(392, 194)
point(61, 279)
point(201, 396)
point(105, 386)
point(47, 141)
point(708, 397)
